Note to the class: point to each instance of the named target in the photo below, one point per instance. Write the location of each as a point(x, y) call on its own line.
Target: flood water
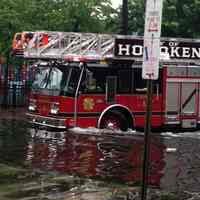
point(86, 164)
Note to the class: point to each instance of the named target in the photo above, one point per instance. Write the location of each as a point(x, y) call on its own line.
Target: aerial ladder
point(69, 46)
point(73, 46)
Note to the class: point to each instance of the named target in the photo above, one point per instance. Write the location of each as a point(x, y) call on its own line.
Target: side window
point(139, 83)
point(69, 81)
point(94, 81)
point(72, 83)
point(111, 86)
point(91, 82)
point(125, 81)
point(157, 85)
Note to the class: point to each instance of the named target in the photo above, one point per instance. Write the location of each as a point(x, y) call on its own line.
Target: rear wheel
point(114, 120)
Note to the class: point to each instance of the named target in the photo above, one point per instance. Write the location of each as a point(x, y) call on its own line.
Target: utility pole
point(150, 72)
point(147, 141)
point(124, 20)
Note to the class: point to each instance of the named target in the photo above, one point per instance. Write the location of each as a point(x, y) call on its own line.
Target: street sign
point(151, 47)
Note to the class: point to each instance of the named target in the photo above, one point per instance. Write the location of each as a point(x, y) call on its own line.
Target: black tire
point(115, 117)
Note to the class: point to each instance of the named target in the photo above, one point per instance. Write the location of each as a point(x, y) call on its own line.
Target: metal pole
point(147, 140)
point(124, 17)
point(82, 67)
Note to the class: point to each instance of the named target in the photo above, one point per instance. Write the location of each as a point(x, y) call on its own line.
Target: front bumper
point(50, 122)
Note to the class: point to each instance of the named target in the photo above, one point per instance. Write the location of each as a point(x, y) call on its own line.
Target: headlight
point(54, 108)
point(32, 105)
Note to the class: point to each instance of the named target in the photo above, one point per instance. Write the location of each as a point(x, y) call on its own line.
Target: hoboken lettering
point(172, 49)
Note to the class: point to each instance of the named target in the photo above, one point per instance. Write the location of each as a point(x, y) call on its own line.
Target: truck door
point(172, 102)
point(188, 99)
point(188, 104)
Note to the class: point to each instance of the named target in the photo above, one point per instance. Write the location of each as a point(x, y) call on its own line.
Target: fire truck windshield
point(56, 80)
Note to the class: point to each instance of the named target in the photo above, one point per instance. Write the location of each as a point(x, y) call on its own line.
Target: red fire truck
point(94, 80)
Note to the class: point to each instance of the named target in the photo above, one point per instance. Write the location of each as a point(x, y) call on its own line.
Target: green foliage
point(136, 17)
point(180, 18)
point(52, 15)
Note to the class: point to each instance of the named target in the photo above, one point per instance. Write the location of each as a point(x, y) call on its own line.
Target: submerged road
point(57, 163)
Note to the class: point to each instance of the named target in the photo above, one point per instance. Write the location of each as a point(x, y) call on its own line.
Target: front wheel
point(114, 120)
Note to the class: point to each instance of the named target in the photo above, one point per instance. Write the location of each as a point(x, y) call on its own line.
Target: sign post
point(150, 71)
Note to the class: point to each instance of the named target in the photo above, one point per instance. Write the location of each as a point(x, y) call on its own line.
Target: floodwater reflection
point(78, 164)
point(88, 164)
point(98, 155)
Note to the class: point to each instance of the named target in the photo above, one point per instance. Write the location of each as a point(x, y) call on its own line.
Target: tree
point(52, 15)
point(86, 15)
point(180, 18)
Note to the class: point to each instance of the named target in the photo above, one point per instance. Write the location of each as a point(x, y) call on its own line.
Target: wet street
point(87, 164)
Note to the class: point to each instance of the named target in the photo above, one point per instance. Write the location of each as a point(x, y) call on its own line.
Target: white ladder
point(67, 45)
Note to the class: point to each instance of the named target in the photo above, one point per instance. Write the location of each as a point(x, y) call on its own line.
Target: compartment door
point(189, 104)
point(189, 99)
point(172, 101)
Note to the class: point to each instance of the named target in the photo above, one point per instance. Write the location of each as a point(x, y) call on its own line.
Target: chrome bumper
point(46, 121)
